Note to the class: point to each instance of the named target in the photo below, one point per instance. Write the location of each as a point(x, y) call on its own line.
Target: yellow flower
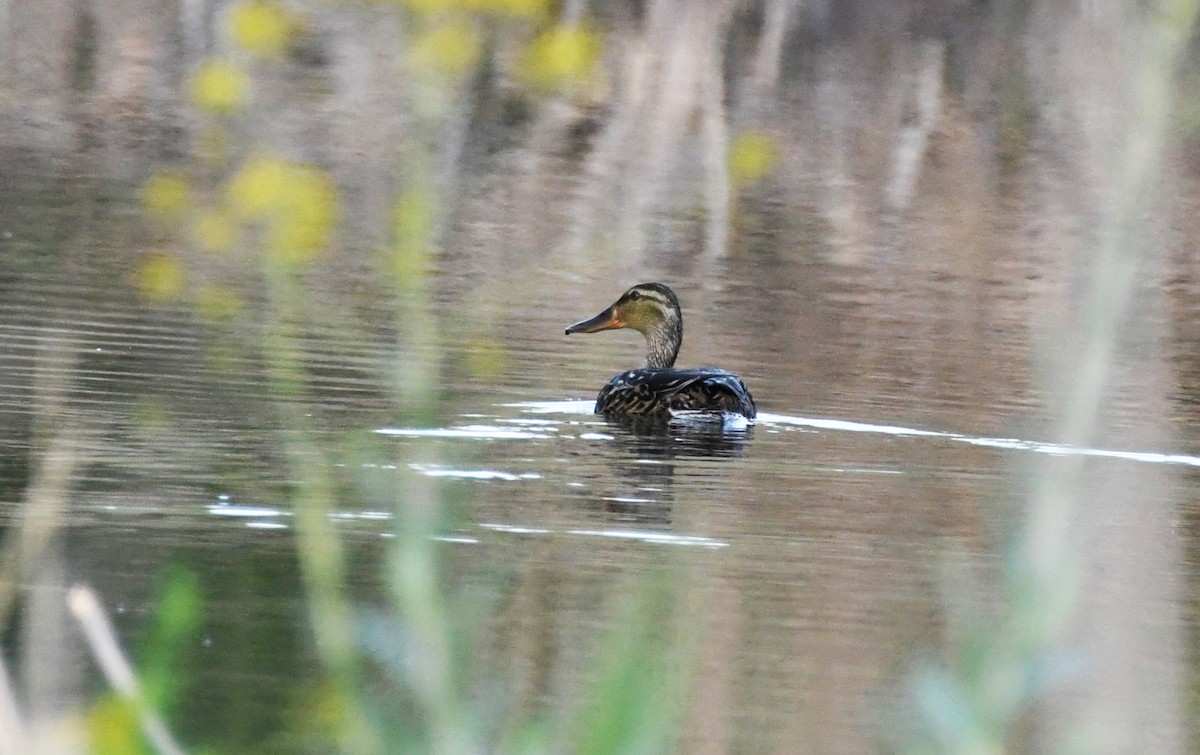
point(259, 186)
point(160, 277)
point(752, 156)
point(301, 228)
point(220, 87)
point(261, 27)
point(561, 56)
point(113, 726)
point(165, 194)
point(295, 204)
point(413, 226)
point(449, 48)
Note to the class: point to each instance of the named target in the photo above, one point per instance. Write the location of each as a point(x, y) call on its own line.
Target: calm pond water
point(902, 316)
point(817, 539)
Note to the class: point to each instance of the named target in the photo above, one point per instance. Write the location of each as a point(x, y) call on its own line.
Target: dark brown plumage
point(659, 389)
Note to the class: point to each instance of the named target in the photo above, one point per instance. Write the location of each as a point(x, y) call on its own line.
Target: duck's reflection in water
point(649, 453)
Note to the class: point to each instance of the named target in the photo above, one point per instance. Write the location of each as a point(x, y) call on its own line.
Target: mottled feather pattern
point(651, 392)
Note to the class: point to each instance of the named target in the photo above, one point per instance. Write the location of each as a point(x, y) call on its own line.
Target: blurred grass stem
point(12, 730)
point(46, 495)
point(1123, 238)
point(319, 548)
point(102, 639)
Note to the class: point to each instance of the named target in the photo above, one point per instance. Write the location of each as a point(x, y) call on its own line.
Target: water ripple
point(474, 432)
point(1012, 444)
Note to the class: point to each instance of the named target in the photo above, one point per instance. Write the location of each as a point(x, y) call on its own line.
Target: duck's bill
point(606, 320)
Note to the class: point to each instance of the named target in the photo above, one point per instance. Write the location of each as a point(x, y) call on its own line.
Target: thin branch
point(102, 639)
point(12, 731)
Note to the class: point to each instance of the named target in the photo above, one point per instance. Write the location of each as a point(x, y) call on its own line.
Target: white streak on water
point(266, 525)
point(377, 516)
point(476, 432)
point(246, 511)
point(515, 529)
point(650, 536)
point(646, 536)
point(540, 429)
point(846, 426)
point(472, 474)
point(567, 406)
point(1012, 444)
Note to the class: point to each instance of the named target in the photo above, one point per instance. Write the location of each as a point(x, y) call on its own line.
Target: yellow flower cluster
point(295, 205)
point(292, 206)
point(262, 28)
point(289, 210)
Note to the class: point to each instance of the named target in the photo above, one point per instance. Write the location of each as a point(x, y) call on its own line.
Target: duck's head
point(652, 309)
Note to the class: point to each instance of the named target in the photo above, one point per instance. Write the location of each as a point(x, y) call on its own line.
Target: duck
point(661, 390)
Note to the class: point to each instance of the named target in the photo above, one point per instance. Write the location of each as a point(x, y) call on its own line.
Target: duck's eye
point(634, 295)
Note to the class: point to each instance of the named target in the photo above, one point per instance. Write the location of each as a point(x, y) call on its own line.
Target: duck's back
point(659, 392)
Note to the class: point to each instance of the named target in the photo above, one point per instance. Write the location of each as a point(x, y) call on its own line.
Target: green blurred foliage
point(113, 724)
point(175, 627)
point(633, 706)
point(399, 676)
point(113, 728)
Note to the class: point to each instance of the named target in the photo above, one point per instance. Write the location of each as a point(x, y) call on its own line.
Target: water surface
point(903, 319)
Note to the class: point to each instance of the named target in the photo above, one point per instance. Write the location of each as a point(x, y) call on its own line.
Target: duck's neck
point(662, 342)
